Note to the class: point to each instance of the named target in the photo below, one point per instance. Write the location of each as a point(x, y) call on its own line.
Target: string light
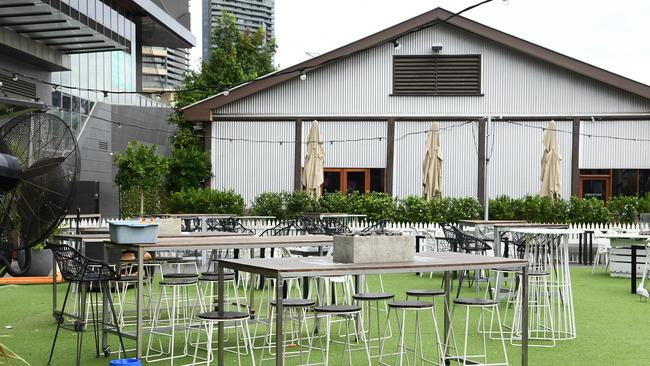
point(14, 77)
point(105, 93)
point(226, 92)
point(396, 44)
point(303, 76)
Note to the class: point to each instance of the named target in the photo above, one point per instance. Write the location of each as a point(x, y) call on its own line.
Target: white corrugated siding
point(601, 153)
point(515, 154)
point(252, 168)
point(351, 154)
point(512, 84)
point(460, 173)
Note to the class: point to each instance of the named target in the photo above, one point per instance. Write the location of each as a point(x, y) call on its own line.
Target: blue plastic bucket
point(127, 361)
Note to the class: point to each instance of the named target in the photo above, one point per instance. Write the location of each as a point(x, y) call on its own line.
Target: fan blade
point(42, 167)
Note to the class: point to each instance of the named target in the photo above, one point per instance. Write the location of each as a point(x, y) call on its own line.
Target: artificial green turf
point(611, 325)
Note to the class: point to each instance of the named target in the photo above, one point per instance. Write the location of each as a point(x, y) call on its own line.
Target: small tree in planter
point(139, 167)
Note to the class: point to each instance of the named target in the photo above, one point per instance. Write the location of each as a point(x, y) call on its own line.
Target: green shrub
point(209, 201)
point(413, 209)
point(463, 208)
point(644, 203)
point(375, 205)
point(270, 204)
point(334, 202)
point(624, 209)
point(503, 208)
point(299, 202)
point(156, 201)
point(588, 210)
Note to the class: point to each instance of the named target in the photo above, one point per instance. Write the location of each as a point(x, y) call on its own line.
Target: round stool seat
point(210, 277)
point(475, 302)
point(410, 304)
point(421, 293)
point(372, 296)
point(337, 309)
point(295, 303)
point(223, 315)
point(178, 282)
point(180, 275)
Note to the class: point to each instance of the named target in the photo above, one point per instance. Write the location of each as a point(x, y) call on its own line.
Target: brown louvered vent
point(17, 88)
point(437, 75)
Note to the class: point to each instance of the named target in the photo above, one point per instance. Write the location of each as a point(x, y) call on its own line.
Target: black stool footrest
point(337, 309)
point(371, 296)
point(410, 304)
point(475, 302)
point(295, 303)
point(421, 293)
point(180, 275)
point(178, 282)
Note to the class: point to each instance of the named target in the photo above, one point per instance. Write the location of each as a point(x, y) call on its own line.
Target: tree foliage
point(235, 57)
point(140, 168)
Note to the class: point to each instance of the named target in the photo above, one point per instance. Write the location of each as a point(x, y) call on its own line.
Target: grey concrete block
point(374, 249)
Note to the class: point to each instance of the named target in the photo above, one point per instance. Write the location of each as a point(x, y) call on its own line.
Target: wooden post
point(390, 156)
point(575, 157)
point(297, 160)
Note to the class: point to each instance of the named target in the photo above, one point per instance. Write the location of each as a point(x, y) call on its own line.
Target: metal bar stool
point(351, 314)
point(180, 313)
point(541, 332)
point(465, 358)
point(209, 320)
point(207, 282)
point(365, 300)
point(415, 307)
point(296, 313)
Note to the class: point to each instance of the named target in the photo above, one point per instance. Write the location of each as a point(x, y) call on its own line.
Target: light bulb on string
point(226, 92)
point(303, 76)
point(397, 45)
point(14, 77)
point(105, 94)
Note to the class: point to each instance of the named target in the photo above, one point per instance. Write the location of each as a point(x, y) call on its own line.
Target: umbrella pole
point(488, 122)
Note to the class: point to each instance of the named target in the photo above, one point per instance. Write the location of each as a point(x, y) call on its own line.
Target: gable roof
point(202, 110)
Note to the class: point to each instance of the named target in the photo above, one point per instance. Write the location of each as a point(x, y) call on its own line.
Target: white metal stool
point(180, 313)
point(209, 320)
point(365, 300)
point(465, 358)
point(351, 314)
point(541, 332)
point(296, 313)
point(415, 307)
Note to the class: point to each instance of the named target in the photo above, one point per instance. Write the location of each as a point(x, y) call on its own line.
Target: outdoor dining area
point(310, 291)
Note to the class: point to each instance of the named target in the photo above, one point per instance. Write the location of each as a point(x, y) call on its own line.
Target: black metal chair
point(86, 274)
point(377, 228)
point(227, 224)
point(190, 224)
point(472, 245)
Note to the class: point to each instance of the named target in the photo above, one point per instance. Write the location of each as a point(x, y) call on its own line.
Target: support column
point(390, 156)
point(297, 160)
point(481, 193)
point(138, 53)
point(575, 157)
point(207, 146)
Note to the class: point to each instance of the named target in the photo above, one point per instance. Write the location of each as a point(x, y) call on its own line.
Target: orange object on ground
point(37, 280)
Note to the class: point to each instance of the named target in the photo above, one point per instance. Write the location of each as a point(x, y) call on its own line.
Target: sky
point(614, 35)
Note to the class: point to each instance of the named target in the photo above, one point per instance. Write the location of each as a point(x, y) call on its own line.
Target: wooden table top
point(92, 236)
point(189, 242)
point(429, 261)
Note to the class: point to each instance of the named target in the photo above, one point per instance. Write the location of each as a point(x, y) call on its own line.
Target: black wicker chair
point(86, 274)
point(227, 224)
point(472, 245)
point(378, 228)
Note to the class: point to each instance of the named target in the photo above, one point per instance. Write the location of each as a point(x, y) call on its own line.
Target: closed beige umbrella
point(312, 176)
point(551, 164)
point(432, 166)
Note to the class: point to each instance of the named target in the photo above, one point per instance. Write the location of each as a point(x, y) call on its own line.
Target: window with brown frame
point(437, 75)
point(348, 180)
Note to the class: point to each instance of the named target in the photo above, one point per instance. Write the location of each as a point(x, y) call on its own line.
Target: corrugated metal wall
point(460, 171)
point(618, 154)
point(252, 168)
point(515, 153)
point(512, 83)
point(351, 154)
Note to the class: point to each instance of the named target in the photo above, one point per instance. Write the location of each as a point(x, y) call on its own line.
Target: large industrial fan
point(39, 169)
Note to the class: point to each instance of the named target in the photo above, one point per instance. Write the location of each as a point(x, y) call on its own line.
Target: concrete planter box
point(169, 227)
point(374, 249)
